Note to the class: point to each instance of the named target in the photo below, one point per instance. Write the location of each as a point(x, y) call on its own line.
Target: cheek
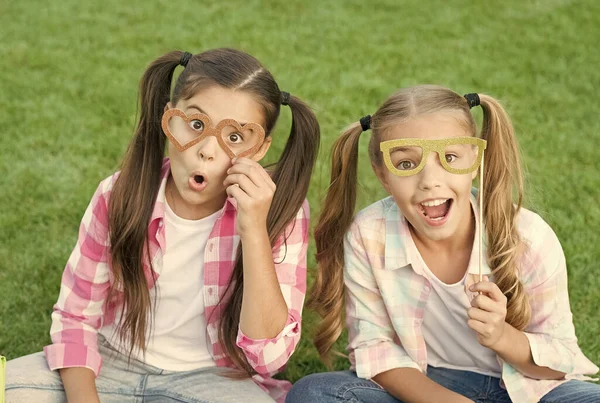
point(462, 184)
point(172, 152)
point(402, 188)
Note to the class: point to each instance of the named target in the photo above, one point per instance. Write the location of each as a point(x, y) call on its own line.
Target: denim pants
point(28, 379)
point(345, 386)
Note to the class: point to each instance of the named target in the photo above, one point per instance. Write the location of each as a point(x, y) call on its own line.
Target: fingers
point(248, 177)
point(490, 289)
point(243, 182)
point(478, 314)
point(485, 303)
point(253, 170)
point(482, 328)
point(237, 193)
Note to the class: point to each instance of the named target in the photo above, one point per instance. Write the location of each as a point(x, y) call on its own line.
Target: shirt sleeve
point(372, 342)
point(78, 313)
point(268, 356)
point(551, 332)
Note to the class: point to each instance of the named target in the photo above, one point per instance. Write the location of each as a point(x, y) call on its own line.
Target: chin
point(435, 234)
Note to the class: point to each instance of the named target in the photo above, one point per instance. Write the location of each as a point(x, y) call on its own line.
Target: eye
point(450, 158)
point(406, 165)
point(197, 125)
point(235, 138)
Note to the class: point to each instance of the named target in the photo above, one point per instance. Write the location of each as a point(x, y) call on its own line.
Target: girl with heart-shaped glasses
point(453, 294)
point(190, 267)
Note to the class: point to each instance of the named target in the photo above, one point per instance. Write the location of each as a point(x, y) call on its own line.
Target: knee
point(314, 388)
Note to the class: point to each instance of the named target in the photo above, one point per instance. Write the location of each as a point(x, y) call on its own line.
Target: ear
point(381, 175)
point(262, 151)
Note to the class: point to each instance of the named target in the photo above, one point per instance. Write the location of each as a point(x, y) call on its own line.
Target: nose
point(207, 148)
point(431, 174)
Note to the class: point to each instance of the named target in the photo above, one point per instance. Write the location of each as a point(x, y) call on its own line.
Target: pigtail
point(503, 190)
point(327, 295)
point(291, 176)
point(293, 171)
point(132, 202)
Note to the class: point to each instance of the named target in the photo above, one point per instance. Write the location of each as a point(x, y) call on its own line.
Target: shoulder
point(296, 232)
point(535, 232)
point(372, 220)
point(107, 184)
point(542, 253)
point(302, 216)
point(103, 191)
point(373, 228)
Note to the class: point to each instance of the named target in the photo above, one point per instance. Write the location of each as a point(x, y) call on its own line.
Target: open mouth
point(198, 182)
point(435, 211)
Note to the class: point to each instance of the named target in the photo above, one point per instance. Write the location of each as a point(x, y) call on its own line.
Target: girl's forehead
point(223, 103)
point(428, 127)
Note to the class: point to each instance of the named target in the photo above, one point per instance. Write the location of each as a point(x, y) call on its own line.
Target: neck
point(189, 211)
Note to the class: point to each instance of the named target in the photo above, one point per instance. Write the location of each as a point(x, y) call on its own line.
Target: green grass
point(68, 79)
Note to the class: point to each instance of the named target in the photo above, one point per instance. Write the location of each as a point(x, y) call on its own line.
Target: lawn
point(68, 85)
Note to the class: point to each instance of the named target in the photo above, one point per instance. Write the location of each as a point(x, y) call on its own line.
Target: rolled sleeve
point(551, 332)
point(373, 344)
point(79, 311)
point(549, 352)
point(65, 355)
point(269, 356)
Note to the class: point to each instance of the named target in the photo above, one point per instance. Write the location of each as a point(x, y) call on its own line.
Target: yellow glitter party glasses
point(458, 155)
point(236, 139)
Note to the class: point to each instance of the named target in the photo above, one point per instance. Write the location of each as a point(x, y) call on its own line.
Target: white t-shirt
point(451, 343)
point(178, 341)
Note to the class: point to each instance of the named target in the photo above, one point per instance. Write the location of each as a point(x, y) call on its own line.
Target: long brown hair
point(135, 190)
point(503, 188)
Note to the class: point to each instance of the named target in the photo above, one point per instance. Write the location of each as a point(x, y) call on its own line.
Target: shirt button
point(210, 247)
point(160, 223)
point(210, 291)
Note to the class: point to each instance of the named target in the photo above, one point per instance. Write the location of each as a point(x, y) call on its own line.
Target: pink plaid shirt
point(82, 308)
point(387, 292)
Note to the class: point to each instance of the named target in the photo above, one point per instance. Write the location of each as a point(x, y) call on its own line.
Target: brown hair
point(503, 189)
point(135, 190)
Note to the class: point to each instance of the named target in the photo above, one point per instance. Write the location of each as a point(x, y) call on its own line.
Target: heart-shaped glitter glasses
point(236, 140)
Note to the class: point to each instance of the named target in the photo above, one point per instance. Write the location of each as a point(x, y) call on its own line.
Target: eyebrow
point(201, 111)
point(197, 108)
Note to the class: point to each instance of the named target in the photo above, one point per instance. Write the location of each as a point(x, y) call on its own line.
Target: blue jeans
point(345, 386)
point(29, 380)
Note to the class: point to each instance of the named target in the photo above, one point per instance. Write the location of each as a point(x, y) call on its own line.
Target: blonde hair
point(503, 188)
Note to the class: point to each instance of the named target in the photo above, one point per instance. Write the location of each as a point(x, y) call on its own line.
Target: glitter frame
point(210, 131)
point(438, 146)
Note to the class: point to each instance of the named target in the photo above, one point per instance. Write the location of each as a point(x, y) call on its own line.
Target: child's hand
point(487, 313)
point(251, 186)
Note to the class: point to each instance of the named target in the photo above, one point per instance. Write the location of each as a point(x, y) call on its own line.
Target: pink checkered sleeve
point(372, 342)
point(551, 332)
point(268, 356)
point(78, 313)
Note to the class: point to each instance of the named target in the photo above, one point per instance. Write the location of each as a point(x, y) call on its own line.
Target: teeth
point(433, 203)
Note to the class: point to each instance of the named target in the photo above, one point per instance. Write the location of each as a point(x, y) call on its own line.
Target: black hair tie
point(365, 123)
point(285, 98)
point(185, 58)
point(472, 99)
